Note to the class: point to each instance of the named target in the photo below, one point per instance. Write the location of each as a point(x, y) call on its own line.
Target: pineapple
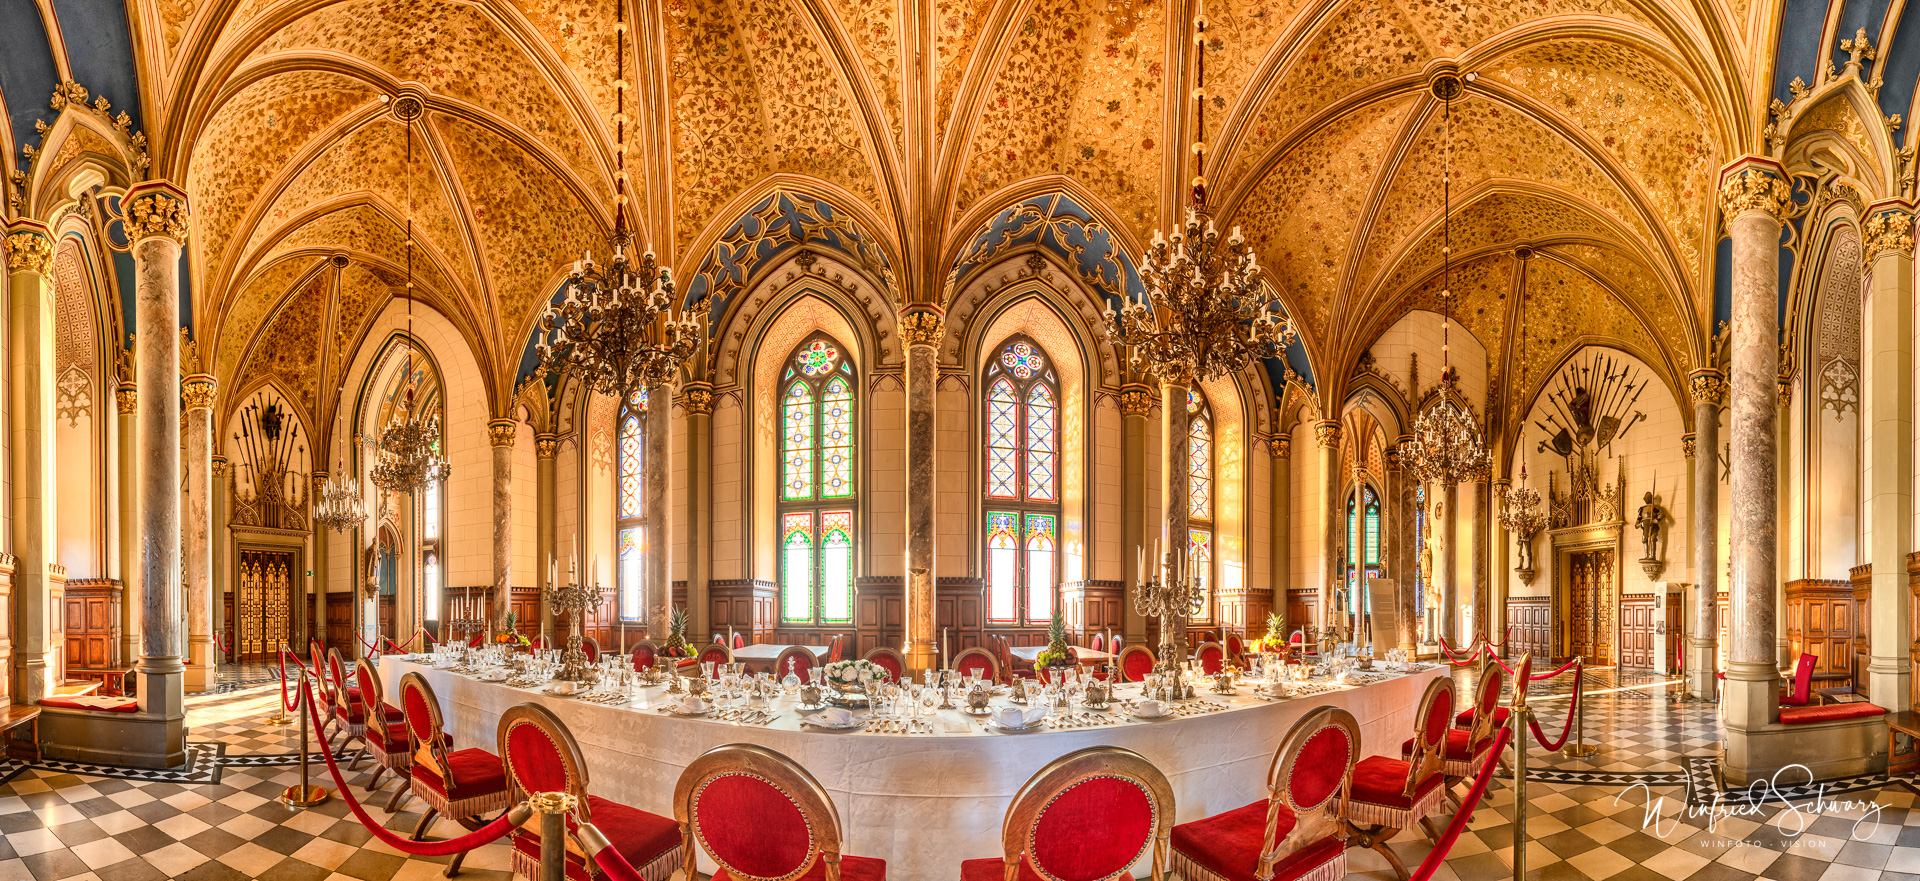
point(677, 633)
point(1057, 634)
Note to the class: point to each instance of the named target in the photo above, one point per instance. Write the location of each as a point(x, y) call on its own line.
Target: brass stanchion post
point(553, 808)
point(1580, 749)
point(305, 795)
point(280, 716)
point(1517, 722)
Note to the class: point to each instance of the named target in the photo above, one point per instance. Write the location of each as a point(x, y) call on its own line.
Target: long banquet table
point(924, 802)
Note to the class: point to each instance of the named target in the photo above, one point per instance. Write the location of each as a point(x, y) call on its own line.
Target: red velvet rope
point(1578, 677)
point(1444, 846)
point(616, 866)
point(1502, 643)
point(1536, 677)
point(293, 707)
point(1471, 659)
point(487, 834)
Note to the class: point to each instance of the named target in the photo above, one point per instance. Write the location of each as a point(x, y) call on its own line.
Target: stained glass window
point(1363, 537)
point(1200, 498)
point(1022, 474)
point(630, 503)
point(431, 514)
point(817, 484)
point(431, 575)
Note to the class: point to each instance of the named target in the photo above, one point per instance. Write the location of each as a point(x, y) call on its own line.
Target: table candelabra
point(571, 599)
point(467, 627)
point(1173, 598)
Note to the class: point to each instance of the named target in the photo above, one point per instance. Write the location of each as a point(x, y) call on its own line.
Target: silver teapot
point(977, 698)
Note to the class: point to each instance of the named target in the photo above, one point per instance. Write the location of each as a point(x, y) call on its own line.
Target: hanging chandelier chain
point(1207, 312)
point(409, 450)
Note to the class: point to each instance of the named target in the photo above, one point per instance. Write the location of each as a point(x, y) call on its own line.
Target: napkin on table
point(1015, 717)
point(1149, 707)
point(689, 703)
point(835, 717)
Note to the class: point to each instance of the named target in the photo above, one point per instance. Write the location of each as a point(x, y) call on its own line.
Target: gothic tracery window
point(1363, 531)
point(817, 488)
point(1022, 447)
point(630, 505)
point(1200, 537)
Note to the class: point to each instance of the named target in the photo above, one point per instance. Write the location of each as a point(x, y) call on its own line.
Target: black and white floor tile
point(1646, 807)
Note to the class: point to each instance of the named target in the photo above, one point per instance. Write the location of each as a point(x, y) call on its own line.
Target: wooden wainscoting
point(340, 623)
point(879, 612)
point(92, 612)
point(1532, 622)
point(744, 605)
point(1091, 607)
point(1820, 621)
point(1861, 580)
point(960, 610)
point(1638, 641)
point(1299, 609)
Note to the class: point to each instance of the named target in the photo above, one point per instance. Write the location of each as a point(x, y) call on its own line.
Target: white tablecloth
point(923, 802)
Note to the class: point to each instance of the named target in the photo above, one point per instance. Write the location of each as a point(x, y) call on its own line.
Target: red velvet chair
point(538, 644)
point(889, 658)
point(346, 708)
point(1522, 675)
point(1388, 795)
point(1011, 666)
point(717, 653)
point(1136, 662)
point(1087, 816)
point(762, 817)
point(1802, 691)
point(387, 733)
point(1467, 749)
point(1211, 656)
point(591, 648)
point(643, 655)
point(739, 641)
point(802, 660)
point(977, 658)
point(1236, 650)
point(1289, 835)
point(541, 756)
point(1099, 642)
point(464, 785)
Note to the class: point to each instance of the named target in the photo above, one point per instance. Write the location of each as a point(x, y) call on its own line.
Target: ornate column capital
point(501, 432)
point(1707, 386)
point(319, 481)
point(1392, 457)
point(1784, 385)
point(1500, 484)
point(1136, 400)
point(29, 248)
point(1327, 432)
point(697, 398)
point(922, 324)
point(546, 446)
point(1688, 444)
point(127, 398)
point(198, 391)
point(1280, 446)
point(1754, 185)
point(219, 468)
point(1887, 228)
point(156, 208)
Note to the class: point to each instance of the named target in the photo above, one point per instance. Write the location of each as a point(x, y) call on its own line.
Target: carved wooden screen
point(264, 602)
point(1593, 606)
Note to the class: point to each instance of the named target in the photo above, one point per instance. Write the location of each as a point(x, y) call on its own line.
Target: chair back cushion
point(717, 653)
point(758, 814)
point(591, 648)
point(891, 659)
point(1315, 759)
point(643, 656)
point(796, 659)
point(1135, 663)
point(1211, 656)
point(371, 697)
point(977, 658)
point(1803, 677)
point(1235, 648)
point(541, 755)
point(1090, 815)
point(1430, 727)
point(1486, 700)
point(739, 641)
point(336, 675)
point(1099, 643)
point(422, 712)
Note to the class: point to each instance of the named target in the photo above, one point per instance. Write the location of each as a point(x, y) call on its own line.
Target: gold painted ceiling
point(1593, 132)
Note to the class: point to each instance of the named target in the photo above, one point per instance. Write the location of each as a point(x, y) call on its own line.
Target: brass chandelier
point(339, 507)
point(622, 326)
point(1207, 313)
point(410, 457)
point(1446, 446)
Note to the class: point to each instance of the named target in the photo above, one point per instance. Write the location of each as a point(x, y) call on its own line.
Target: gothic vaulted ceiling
point(1591, 136)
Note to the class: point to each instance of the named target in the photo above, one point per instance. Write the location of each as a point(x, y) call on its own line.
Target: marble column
point(126, 399)
point(656, 474)
point(696, 399)
point(30, 405)
point(1446, 571)
point(318, 566)
point(1753, 200)
point(1136, 406)
point(1482, 585)
point(1886, 419)
point(546, 449)
point(1783, 653)
point(1496, 563)
point(501, 434)
point(1327, 433)
point(198, 391)
point(1708, 389)
point(157, 226)
point(921, 328)
point(1280, 448)
point(1401, 489)
point(1175, 423)
point(219, 543)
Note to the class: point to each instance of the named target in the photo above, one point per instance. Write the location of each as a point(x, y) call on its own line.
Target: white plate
point(995, 724)
point(1164, 715)
point(676, 712)
point(851, 724)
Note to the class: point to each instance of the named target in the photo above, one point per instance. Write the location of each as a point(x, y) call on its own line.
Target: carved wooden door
point(264, 603)
point(1590, 590)
point(1636, 633)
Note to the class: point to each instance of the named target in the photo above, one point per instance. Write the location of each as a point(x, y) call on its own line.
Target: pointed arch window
point(1022, 445)
point(1200, 545)
point(817, 486)
point(630, 530)
point(1363, 531)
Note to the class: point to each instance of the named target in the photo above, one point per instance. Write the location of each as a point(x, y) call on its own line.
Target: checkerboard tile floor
point(1587, 818)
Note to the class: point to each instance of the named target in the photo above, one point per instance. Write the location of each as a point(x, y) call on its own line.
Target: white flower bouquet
point(856, 675)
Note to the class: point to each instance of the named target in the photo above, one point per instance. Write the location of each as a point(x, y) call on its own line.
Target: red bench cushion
point(1828, 713)
point(99, 704)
